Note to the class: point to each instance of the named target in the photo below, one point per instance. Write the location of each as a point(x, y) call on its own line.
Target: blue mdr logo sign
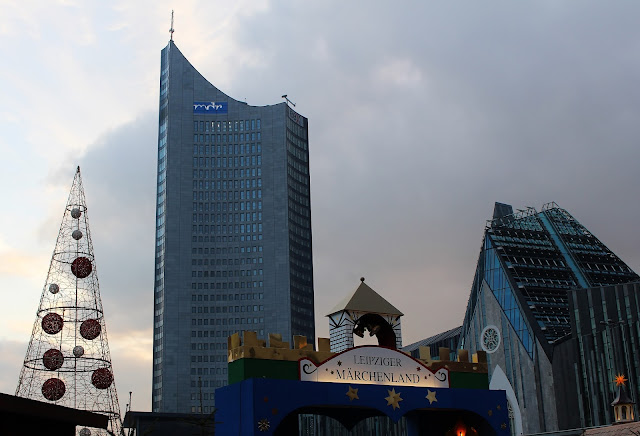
point(209, 107)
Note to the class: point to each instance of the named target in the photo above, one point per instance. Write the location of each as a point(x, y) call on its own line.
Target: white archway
point(500, 382)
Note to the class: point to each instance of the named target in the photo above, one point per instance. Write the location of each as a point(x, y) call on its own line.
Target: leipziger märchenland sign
point(373, 365)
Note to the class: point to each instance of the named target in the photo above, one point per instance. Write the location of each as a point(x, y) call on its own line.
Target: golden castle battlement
point(250, 357)
point(249, 346)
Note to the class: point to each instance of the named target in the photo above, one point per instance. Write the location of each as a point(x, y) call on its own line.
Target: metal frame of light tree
point(68, 360)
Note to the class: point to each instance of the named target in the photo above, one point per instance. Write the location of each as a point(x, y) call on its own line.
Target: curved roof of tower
point(365, 299)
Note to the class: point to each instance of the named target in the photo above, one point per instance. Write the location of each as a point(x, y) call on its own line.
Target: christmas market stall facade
point(271, 385)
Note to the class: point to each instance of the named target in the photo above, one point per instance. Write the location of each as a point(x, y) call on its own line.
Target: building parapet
point(250, 357)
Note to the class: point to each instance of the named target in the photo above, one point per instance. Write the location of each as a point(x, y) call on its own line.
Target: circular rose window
point(490, 339)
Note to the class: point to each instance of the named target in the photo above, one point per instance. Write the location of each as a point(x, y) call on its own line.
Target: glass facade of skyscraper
point(233, 232)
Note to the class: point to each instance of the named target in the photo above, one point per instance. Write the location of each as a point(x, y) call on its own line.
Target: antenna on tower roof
point(171, 30)
point(288, 101)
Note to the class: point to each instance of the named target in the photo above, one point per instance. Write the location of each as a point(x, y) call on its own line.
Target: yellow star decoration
point(620, 380)
point(393, 399)
point(431, 396)
point(352, 394)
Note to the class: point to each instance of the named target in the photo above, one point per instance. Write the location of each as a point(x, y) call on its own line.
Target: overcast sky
point(421, 116)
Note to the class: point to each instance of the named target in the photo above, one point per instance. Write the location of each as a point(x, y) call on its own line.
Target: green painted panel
point(243, 369)
point(469, 380)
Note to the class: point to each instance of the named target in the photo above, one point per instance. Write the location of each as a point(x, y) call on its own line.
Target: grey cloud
point(11, 358)
point(522, 103)
point(118, 174)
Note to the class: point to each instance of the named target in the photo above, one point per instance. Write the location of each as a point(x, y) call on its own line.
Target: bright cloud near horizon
point(421, 115)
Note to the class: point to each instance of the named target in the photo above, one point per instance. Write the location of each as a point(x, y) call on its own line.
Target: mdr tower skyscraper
point(233, 232)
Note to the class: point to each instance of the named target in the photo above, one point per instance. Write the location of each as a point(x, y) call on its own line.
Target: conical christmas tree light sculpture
point(68, 360)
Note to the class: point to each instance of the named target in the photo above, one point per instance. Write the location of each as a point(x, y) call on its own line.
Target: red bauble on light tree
point(53, 389)
point(90, 329)
point(101, 378)
point(53, 359)
point(81, 267)
point(52, 323)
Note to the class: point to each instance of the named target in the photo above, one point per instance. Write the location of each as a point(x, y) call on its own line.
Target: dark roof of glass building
point(529, 259)
point(435, 339)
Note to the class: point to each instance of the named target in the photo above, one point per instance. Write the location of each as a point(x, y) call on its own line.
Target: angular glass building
point(233, 232)
point(518, 310)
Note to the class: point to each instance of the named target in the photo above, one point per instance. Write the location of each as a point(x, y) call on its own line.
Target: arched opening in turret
point(378, 326)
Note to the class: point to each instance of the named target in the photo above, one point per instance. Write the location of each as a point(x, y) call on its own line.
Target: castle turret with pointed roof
point(364, 309)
